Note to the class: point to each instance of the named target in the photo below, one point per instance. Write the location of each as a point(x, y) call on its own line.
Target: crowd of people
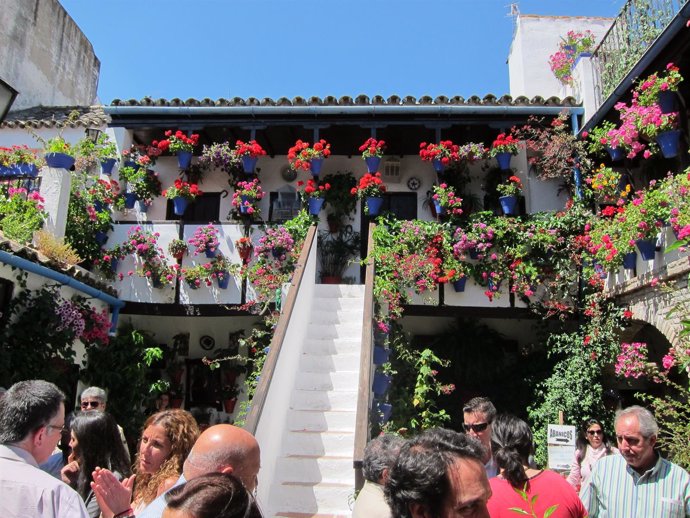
point(180, 472)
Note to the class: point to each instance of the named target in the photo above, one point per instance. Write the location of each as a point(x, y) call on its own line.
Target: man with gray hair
point(478, 414)
point(32, 415)
point(95, 398)
point(379, 456)
point(638, 482)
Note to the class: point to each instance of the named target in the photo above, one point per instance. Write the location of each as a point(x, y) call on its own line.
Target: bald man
point(222, 448)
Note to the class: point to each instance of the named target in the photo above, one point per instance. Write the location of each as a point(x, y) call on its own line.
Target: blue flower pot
point(5, 171)
point(210, 254)
point(130, 200)
point(131, 163)
point(98, 206)
point(315, 165)
point(474, 253)
point(114, 263)
point(249, 163)
point(315, 205)
point(647, 248)
point(277, 252)
point(503, 160)
point(373, 163)
point(184, 159)
point(142, 206)
point(437, 207)
point(25, 170)
point(374, 205)
point(107, 166)
point(380, 355)
point(224, 282)
point(668, 142)
point(509, 205)
point(383, 412)
point(244, 209)
point(459, 285)
point(615, 153)
point(630, 260)
point(667, 101)
point(101, 237)
point(381, 383)
point(180, 205)
point(494, 285)
point(438, 165)
point(59, 160)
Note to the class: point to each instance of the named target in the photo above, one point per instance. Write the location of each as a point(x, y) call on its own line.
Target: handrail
point(259, 399)
point(367, 351)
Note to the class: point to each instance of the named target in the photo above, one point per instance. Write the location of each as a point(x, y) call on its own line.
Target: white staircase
point(314, 476)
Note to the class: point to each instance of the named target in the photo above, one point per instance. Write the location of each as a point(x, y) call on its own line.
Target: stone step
point(339, 291)
point(319, 421)
point(331, 304)
point(326, 330)
point(315, 500)
point(312, 469)
point(319, 443)
point(335, 381)
point(340, 316)
point(324, 363)
point(328, 346)
point(345, 400)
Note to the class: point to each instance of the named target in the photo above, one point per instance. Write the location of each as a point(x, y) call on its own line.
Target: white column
point(55, 189)
point(585, 90)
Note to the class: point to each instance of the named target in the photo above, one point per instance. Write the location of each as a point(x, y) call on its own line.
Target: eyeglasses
point(595, 432)
point(62, 428)
point(476, 428)
point(90, 404)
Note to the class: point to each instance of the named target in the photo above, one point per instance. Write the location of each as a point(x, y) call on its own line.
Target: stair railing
point(259, 399)
point(362, 428)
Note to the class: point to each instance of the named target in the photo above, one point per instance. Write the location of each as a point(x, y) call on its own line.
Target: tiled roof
point(73, 271)
point(56, 117)
point(360, 100)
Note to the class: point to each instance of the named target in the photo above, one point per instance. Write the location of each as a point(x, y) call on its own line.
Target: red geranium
point(300, 155)
point(178, 141)
point(251, 149)
point(183, 189)
point(315, 189)
point(372, 147)
point(445, 151)
point(370, 185)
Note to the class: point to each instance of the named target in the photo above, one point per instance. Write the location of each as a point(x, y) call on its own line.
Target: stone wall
point(45, 56)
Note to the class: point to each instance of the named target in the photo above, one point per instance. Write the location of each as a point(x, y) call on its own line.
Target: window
point(204, 208)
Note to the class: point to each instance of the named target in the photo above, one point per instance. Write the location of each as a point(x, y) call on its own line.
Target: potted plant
point(445, 200)
point(103, 193)
point(606, 185)
point(220, 155)
point(221, 270)
point(158, 271)
point(659, 88)
point(335, 253)
point(181, 193)
point(302, 156)
point(58, 153)
point(195, 275)
point(181, 145)
point(244, 248)
point(178, 248)
point(471, 152)
point(575, 44)
point(509, 191)
point(503, 148)
point(371, 188)
point(248, 153)
point(605, 137)
point(110, 259)
point(229, 393)
point(205, 240)
point(441, 155)
point(338, 199)
point(146, 186)
point(19, 161)
point(277, 242)
point(314, 192)
point(246, 196)
point(106, 152)
point(372, 151)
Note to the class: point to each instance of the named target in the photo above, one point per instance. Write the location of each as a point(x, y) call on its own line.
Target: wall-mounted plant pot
point(381, 383)
point(107, 166)
point(278, 252)
point(383, 412)
point(59, 160)
point(101, 237)
point(224, 282)
point(247, 203)
point(667, 101)
point(630, 260)
point(459, 285)
point(315, 166)
point(180, 205)
point(30, 170)
point(503, 160)
point(114, 263)
point(142, 206)
point(184, 159)
point(647, 248)
point(210, 254)
point(617, 154)
point(509, 205)
point(373, 163)
point(669, 142)
point(249, 163)
point(438, 166)
point(315, 205)
point(380, 355)
point(374, 204)
point(438, 208)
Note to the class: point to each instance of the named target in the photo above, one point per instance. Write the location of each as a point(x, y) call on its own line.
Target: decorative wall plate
point(413, 183)
point(288, 173)
point(207, 342)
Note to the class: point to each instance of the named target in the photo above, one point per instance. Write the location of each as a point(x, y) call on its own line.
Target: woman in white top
point(592, 445)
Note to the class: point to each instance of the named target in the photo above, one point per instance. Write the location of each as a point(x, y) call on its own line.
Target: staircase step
point(336, 381)
point(314, 469)
point(323, 363)
point(328, 346)
point(331, 304)
point(319, 421)
point(344, 291)
point(345, 400)
point(319, 443)
point(322, 498)
point(325, 330)
point(341, 316)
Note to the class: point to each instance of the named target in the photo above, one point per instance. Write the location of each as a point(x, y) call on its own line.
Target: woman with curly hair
point(166, 440)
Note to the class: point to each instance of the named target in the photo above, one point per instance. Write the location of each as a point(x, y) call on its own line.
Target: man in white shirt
point(32, 415)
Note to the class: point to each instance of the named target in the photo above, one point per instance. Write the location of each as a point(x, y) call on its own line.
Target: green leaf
point(550, 511)
point(518, 510)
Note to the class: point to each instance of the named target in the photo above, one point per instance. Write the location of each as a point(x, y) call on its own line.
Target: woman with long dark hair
point(95, 441)
point(511, 441)
point(591, 445)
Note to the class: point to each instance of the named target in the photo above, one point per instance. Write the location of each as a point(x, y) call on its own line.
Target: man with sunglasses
point(478, 414)
point(32, 416)
point(95, 398)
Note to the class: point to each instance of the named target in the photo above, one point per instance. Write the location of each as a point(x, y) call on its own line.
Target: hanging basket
point(130, 200)
point(223, 282)
point(630, 260)
point(617, 154)
point(107, 166)
point(438, 166)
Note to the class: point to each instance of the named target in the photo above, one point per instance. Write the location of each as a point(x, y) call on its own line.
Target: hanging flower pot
point(615, 153)
point(107, 166)
point(315, 166)
point(223, 279)
point(315, 205)
point(178, 256)
point(383, 412)
point(114, 263)
point(459, 285)
point(494, 285)
point(101, 237)
point(438, 208)
point(474, 253)
point(180, 205)
point(668, 142)
point(142, 206)
point(667, 101)
point(509, 205)
point(59, 160)
point(249, 163)
point(247, 202)
point(381, 383)
point(380, 355)
point(374, 205)
point(210, 254)
point(184, 159)
point(373, 163)
point(130, 200)
point(438, 165)
point(647, 248)
point(23, 169)
point(156, 282)
point(503, 160)
point(630, 260)
point(98, 206)
point(278, 252)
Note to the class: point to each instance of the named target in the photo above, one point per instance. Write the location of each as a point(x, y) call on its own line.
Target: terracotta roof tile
point(56, 117)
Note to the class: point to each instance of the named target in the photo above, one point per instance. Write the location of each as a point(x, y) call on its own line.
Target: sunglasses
point(595, 432)
point(90, 404)
point(476, 428)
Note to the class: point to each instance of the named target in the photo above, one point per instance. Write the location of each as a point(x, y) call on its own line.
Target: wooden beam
point(184, 310)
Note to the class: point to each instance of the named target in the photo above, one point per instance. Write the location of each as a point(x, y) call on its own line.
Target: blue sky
point(274, 48)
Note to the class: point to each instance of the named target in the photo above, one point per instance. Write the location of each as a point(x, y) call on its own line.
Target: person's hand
point(113, 496)
point(70, 472)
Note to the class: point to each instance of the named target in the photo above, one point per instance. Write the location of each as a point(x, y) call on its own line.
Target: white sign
point(561, 446)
